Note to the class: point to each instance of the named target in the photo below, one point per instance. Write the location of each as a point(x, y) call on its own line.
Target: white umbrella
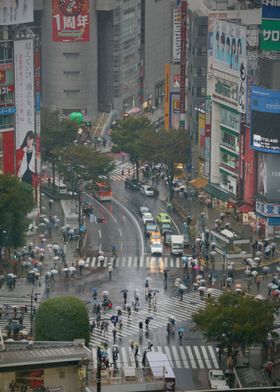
point(202, 281)
point(229, 267)
point(10, 340)
point(202, 288)
point(247, 272)
point(198, 277)
point(48, 273)
point(118, 308)
point(213, 253)
point(11, 275)
point(35, 269)
point(54, 271)
point(23, 332)
point(254, 273)
point(238, 289)
point(254, 265)
point(260, 297)
point(56, 258)
point(210, 290)
point(49, 246)
point(257, 259)
point(105, 292)
point(37, 273)
point(81, 262)
point(198, 239)
point(72, 269)
point(55, 247)
point(258, 253)
point(182, 286)
point(270, 285)
point(149, 278)
point(101, 253)
point(65, 269)
point(266, 268)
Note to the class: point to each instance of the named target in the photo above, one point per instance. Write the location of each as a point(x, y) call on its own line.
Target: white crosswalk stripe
point(180, 357)
point(127, 168)
point(180, 310)
point(136, 262)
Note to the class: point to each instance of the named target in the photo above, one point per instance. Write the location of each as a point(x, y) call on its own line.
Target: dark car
point(132, 183)
point(186, 240)
point(165, 227)
point(149, 228)
point(167, 238)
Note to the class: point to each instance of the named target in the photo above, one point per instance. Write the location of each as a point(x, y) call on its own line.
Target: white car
point(147, 217)
point(147, 190)
point(156, 248)
point(143, 209)
point(217, 379)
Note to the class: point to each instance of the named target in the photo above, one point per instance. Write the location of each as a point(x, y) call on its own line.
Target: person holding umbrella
point(124, 296)
point(140, 328)
point(147, 322)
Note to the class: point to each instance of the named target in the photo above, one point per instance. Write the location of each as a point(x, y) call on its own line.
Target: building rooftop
point(17, 354)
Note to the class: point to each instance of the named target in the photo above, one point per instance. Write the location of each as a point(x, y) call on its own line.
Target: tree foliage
point(16, 201)
point(127, 137)
point(168, 147)
point(235, 319)
point(62, 319)
point(77, 163)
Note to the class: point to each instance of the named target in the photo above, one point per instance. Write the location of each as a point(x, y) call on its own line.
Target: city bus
point(103, 191)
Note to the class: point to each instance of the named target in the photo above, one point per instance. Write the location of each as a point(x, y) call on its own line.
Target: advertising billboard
point(16, 12)
point(70, 20)
point(270, 35)
point(271, 9)
point(24, 101)
point(177, 35)
point(265, 118)
point(229, 46)
point(174, 110)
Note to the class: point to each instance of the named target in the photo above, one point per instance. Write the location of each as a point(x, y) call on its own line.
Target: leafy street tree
point(76, 163)
point(56, 132)
point(16, 201)
point(127, 135)
point(236, 320)
point(62, 319)
point(168, 147)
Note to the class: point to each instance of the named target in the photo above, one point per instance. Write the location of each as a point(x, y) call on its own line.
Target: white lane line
point(183, 355)
point(176, 357)
point(117, 262)
point(167, 352)
point(213, 356)
point(205, 355)
point(120, 232)
point(99, 232)
point(177, 262)
point(129, 261)
point(105, 261)
point(190, 354)
point(198, 356)
point(142, 248)
point(124, 357)
point(141, 261)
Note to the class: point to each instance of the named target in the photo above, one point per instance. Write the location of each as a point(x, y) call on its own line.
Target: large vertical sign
point(183, 64)
point(16, 12)
point(70, 20)
point(24, 101)
point(166, 96)
point(265, 118)
point(177, 35)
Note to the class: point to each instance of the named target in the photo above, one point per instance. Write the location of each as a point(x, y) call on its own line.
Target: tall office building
point(90, 55)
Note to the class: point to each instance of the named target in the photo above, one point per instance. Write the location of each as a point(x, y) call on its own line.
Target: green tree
point(234, 319)
point(127, 137)
point(56, 132)
point(77, 163)
point(16, 201)
point(168, 147)
point(62, 319)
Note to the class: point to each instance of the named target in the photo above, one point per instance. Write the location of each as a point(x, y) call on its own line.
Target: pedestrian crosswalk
point(159, 314)
point(136, 262)
point(122, 171)
point(11, 303)
point(180, 357)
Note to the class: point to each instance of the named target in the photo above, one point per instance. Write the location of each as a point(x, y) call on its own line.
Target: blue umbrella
point(93, 289)
point(181, 329)
point(124, 291)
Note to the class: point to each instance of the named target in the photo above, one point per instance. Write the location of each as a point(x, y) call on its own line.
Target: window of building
point(69, 93)
point(228, 160)
point(71, 55)
point(204, 50)
point(230, 141)
point(71, 73)
point(7, 121)
point(230, 119)
point(159, 93)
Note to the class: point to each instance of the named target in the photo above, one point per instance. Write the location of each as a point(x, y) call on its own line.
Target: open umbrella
point(118, 308)
point(65, 269)
point(72, 269)
point(238, 289)
point(202, 288)
point(181, 329)
point(149, 318)
point(260, 297)
point(274, 287)
point(270, 285)
point(54, 271)
point(266, 268)
point(254, 273)
point(48, 273)
point(23, 332)
point(210, 290)
point(257, 259)
point(196, 267)
point(275, 292)
point(55, 246)
point(81, 262)
point(247, 272)
point(149, 278)
point(182, 286)
point(198, 239)
point(230, 267)
point(106, 292)
point(56, 258)
point(238, 285)
point(124, 291)
point(154, 290)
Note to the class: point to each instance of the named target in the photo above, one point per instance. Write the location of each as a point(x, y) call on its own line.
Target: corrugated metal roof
point(18, 354)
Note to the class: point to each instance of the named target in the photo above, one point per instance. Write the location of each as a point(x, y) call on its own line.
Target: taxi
point(155, 237)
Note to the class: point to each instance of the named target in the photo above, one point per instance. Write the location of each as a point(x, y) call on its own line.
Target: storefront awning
point(198, 183)
point(245, 209)
point(216, 192)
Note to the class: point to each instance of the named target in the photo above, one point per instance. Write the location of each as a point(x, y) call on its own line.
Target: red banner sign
point(70, 20)
point(4, 90)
